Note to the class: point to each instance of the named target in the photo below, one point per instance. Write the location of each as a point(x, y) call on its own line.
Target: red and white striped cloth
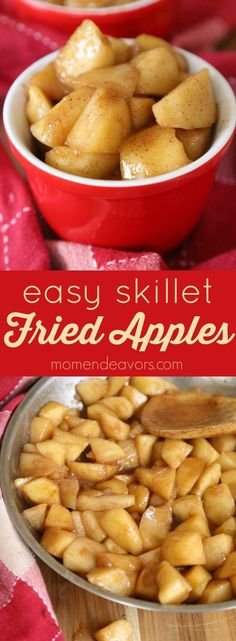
point(26, 612)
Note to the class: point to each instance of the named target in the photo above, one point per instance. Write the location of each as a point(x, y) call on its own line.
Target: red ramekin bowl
point(156, 213)
point(149, 16)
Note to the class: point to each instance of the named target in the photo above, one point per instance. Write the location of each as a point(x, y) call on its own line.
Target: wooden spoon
point(189, 414)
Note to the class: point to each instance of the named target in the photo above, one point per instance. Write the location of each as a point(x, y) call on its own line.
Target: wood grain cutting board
point(80, 614)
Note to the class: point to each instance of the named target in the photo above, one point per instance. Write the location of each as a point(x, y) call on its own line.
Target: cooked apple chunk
point(54, 411)
point(218, 503)
point(198, 578)
point(195, 523)
point(104, 502)
point(68, 489)
point(144, 444)
point(41, 428)
point(204, 450)
point(120, 629)
point(53, 451)
point(53, 129)
point(92, 472)
point(91, 390)
point(187, 475)
point(159, 480)
point(86, 49)
point(35, 516)
point(191, 105)
point(48, 82)
point(159, 72)
point(186, 506)
point(175, 451)
point(141, 495)
point(210, 476)
point(146, 586)
point(55, 541)
point(122, 79)
point(94, 131)
point(80, 555)
point(41, 490)
point(119, 526)
point(38, 105)
point(183, 548)
point(151, 152)
point(216, 549)
point(105, 451)
point(59, 516)
point(172, 587)
point(32, 464)
point(155, 525)
point(141, 111)
point(217, 591)
point(195, 141)
point(112, 580)
point(72, 161)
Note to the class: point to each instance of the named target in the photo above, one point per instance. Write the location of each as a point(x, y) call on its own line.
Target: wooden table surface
point(80, 613)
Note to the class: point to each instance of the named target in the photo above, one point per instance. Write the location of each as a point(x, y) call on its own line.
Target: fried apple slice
point(204, 450)
point(189, 414)
point(94, 130)
point(113, 427)
point(218, 503)
point(80, 555)
point(141, 111)
point(86, 49)
point(122, 50)
point(195, 141)
point(92, 527)
point(41, 429)
point(174, 452)
point(72, 161)
point(172, 587)
point(119, 526)
point(54, 411)
point(122, 79)
point(92, 472)
point(216, 549)
point(151, 152)
point(159, 480)
point(186, 506)
point(53, 451)
point(198, 578)
point(104, 502)
point(216, 592)
point(68, 489)
point(141, 495)
point(120, 629)
point(195, 523)
point(210, 476)
point(155, 525)
point(112, 580)
point(125, 562)
point(146, 586)
point(181, 107)
point(35, 516)
point(105, 451)
point(183, 548)
point(48, 82)
point(144, 444)
point(152, 385)
point(41, 490)
point(55, 541)
point(53, 129)
point(32, 464)
point(92, 390)
point(187, 475)
point(38, 105)
point(159, 71)
point(60, 517)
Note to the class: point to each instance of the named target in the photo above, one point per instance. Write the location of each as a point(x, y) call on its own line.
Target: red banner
point(99, 323)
